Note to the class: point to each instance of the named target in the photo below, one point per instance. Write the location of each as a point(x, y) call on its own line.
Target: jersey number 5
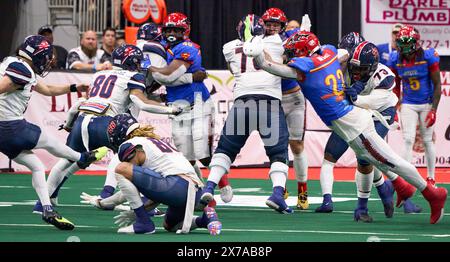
point(104, 85)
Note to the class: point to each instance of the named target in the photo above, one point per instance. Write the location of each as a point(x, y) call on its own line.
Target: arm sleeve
point(376, 99)
point(150, 108)
point(276, 69)
point(172, 77)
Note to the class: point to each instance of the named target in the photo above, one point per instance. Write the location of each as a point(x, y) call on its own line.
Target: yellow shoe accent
point(302, 201)
point(286, 194)
point(101, 152)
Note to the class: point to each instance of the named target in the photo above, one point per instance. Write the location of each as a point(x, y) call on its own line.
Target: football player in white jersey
point(257, 107)
point(17, 136)
point(377, 95)
point(162, 174)
point(293, 103)
point(111, 93)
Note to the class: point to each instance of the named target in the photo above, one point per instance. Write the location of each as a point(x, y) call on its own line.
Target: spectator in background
point(292, 25)
point(120, 40)
point(386, 48)
point(59, 52)
point(108, 43)
point(87, 56)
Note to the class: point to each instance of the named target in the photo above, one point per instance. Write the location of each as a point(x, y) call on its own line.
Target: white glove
point(125, 218)
point(90, 200)
point(254, 47)
point(306, 24)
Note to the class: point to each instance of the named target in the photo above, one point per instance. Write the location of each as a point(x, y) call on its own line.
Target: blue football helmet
point(119, 128)
point(255, 24)
point(127, 57)
point(38, 50)
point(350, 40)
point(363, 61)
point(149, 32)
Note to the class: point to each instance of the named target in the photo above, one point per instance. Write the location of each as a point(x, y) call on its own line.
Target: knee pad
point(222, 160)
point(279, 167)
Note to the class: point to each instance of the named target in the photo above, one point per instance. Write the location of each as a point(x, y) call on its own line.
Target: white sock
point(278, 174)
point(326, 177)
point(56, 148)
point(301, 166)
point(63, 168)
point(111, 173)
point(363, 183)
point(378, 178)
point(28, 159)
point(430, 154)
point(391, 175)
point(216, 173)
point(114, 200)
point(129, 191)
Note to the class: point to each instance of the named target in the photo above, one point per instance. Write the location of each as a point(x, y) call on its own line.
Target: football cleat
point(156, 213)
point(38, 209)
point(215, 228)
point(436, 197)
point(326, 206)
point(286, 193)
point(138, 228)
point(214, 225)
point(404, 190)
point(92, 156)
point(277, 203)
point(431, 181)
point(410, 208)
point(386, 193)
point(362, 214)
point(207, 195)
point(226, 193)
point(52, 217)
point(302, 201)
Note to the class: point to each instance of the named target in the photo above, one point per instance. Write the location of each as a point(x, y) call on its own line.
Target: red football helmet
point(408, 40)
point(302, 44)
point(275, 15)
point(178, 20)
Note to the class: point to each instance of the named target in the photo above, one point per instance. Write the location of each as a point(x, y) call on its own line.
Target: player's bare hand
point(82, 87)
point(199, 76)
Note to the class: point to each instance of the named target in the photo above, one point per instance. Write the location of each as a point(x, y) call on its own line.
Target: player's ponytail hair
point(144, 131)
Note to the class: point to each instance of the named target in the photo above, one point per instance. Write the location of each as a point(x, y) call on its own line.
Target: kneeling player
point(160, 173)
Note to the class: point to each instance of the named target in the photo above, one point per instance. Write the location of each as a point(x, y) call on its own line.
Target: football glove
point(254, 47)
point(91, 200)
point(125, 218)
point(306, 23)
point(431, 118)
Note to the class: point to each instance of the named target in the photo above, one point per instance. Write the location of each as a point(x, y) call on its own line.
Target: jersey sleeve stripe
point(135, 85)
point(18, 78)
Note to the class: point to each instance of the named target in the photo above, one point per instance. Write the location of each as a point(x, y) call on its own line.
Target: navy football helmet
point(350, 40)
point(38, 50)
point(119, 128)
point(254, 23)
point(149, 32)
point(127, 57)
point(363, 61)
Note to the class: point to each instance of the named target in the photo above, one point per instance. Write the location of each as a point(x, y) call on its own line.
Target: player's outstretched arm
point(147, 105)
point(265, 62)
point(171, 72)
point(50, 90)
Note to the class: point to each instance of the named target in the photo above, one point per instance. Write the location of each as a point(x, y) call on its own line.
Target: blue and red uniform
point(417, 85)
point(187, 51)
point(329, 102)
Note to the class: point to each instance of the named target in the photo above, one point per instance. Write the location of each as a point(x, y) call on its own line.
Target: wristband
point(73, 88)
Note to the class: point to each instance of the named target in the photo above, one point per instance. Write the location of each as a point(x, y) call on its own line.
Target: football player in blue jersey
point(381, 100)
point(17, 136)
point(193, 129)
point(419, 72)
point(386, 49)
point(318, 71)
point(293, 103)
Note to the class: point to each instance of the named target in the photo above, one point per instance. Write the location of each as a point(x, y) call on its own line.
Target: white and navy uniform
point(260, 92)
point(164, 177)
point(16, 134)
point(77, 56)
point(109, 96)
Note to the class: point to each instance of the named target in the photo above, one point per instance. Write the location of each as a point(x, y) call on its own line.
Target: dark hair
point(108, 29)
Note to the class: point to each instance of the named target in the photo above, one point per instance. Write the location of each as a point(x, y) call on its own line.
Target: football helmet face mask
point(176, 28)
point(408, 40)
point(119, 128)
point(128, 57)
point(252, 22)
point(350, 40)
point(274, 15)
point(38, 50)
point(363, 61)
point(301, 44)
point(149, 32)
